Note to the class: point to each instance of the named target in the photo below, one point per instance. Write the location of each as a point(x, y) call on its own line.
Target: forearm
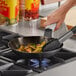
point(73, 2)
point(68, 4)
point(64, 8)
point(59, 14)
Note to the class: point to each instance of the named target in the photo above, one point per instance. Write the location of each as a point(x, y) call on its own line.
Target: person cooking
point(58, 15)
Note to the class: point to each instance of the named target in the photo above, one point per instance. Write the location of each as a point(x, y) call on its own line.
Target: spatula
point(56, 43)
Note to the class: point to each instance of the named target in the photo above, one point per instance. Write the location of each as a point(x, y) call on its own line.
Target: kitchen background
point(63, 63)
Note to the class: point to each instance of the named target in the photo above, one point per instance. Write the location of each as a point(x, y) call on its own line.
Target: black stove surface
point(62, 57)
point(8, 57)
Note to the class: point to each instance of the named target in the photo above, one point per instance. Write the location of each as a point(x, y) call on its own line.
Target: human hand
point(58, 16)
point(55, 17)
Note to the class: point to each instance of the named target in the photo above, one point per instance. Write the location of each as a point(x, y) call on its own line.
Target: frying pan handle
point(67, 35)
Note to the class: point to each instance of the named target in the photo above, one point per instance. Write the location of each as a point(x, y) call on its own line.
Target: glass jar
point(31, 9)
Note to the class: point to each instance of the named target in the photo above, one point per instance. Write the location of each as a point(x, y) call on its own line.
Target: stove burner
point(7, 57)
point(35, 63)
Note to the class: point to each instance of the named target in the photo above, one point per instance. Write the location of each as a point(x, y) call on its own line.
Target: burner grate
point(3, 33)
point(11, 55)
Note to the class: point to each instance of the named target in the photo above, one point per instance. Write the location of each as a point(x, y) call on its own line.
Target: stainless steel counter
point(23, 28)
point(33, 29)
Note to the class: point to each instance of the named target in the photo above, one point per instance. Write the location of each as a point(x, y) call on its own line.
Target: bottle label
point(10, 9)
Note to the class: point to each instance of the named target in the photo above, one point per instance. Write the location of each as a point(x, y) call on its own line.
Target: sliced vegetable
point(38, 50)
point(32, 48)
point(21, 48)
point(28, 50)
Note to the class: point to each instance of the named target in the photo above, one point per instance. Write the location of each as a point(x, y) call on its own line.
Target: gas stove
point(12, 65)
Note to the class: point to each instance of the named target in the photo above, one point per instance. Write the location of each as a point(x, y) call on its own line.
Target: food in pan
point(32, 48)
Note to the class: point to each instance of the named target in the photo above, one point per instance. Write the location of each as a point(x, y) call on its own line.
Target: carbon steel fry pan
point(50, 48)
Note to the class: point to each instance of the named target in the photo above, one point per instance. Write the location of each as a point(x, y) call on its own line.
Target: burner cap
point(35, 63)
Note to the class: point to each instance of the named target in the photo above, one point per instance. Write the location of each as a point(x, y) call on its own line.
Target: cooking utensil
point(51, 47)
point(31, 39)
point(55, 43)
point(14, 45)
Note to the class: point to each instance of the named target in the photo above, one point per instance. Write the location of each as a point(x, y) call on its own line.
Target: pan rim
point(31, 53)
